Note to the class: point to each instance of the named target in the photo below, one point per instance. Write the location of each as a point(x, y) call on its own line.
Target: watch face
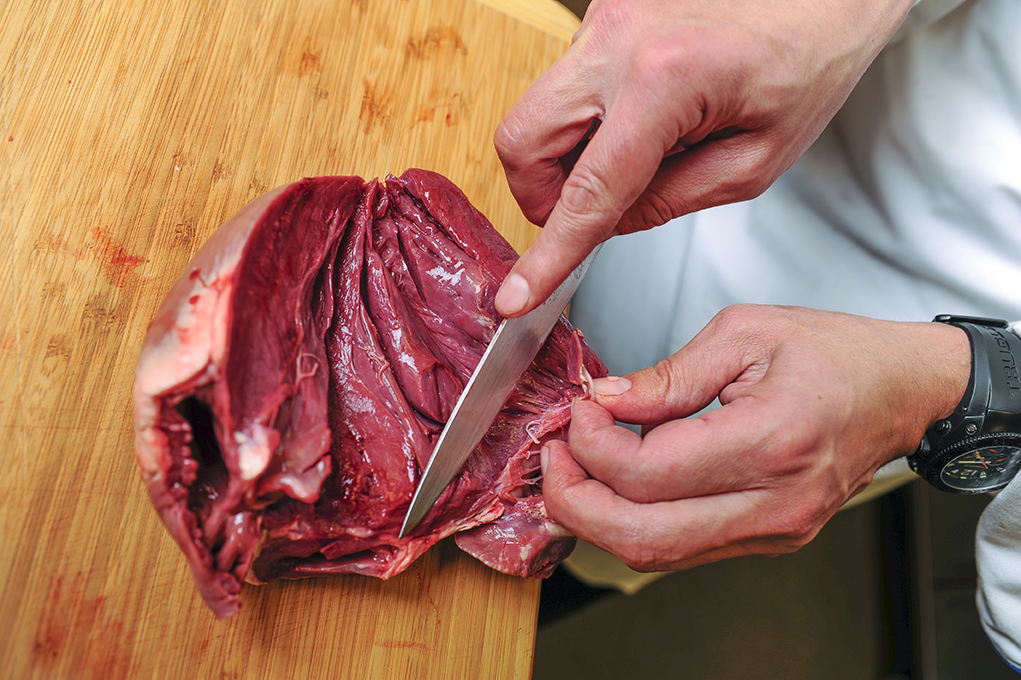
point(982, 469)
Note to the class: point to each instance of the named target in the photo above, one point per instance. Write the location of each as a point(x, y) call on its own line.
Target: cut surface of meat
point(294, 381)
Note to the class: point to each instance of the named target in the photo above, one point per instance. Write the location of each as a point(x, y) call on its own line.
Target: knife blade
point(509, 354)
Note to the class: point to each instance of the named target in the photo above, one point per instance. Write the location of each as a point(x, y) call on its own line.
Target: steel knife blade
point(509, 354)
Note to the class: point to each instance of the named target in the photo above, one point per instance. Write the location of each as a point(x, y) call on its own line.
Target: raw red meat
point(292, 385)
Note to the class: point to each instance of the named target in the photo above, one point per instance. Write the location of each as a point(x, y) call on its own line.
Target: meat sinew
point(292, 385)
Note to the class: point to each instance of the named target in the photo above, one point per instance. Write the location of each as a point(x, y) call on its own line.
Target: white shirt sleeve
point(923, 13)
point(998, 558)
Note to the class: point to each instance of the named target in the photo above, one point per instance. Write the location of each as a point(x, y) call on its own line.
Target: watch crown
point(941, 427)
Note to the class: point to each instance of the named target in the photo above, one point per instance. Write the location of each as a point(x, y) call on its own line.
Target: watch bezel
point(945, 456)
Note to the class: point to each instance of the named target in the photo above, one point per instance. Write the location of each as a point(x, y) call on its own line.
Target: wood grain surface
point(128, 132)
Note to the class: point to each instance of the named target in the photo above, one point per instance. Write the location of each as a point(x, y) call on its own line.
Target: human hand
point(813, 403)
point(701, 102)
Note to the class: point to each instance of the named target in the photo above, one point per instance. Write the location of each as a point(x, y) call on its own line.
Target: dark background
point(885, 591)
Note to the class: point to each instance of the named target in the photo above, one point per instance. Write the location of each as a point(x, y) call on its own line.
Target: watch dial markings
point(981, 469)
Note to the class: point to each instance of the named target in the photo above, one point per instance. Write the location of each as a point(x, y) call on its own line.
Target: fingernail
point(544, 458)
point(513, 294)
point(611, 386)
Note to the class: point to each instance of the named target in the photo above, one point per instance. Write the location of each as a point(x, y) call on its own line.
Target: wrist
point(935, 369)
point(951, 355)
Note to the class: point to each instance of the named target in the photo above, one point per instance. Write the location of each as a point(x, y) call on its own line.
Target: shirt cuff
point(998, 558)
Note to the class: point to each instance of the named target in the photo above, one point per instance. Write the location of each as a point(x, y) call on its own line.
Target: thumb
point(659, 393)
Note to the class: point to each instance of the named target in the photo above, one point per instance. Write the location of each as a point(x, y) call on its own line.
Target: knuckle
point(606, 18)
point(663, 371)
point(785, 548)
point(661, 63)
point(506, 139)
point(652, 209)
point(751, 172)
point(673, 382)
point(552, 495)
point(627, 480)
point(747, 328)
point(787, 450)
point(741, 315)
point(800, 526)
point(622, 467)
point(586, 194)
point(637, 555)
point(731, 318)
point(634, 487)
point(637, 549)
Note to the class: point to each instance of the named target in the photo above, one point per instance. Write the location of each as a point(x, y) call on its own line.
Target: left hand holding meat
point(813, 403)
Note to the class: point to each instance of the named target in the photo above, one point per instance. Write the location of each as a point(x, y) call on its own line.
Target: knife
point(509, 354)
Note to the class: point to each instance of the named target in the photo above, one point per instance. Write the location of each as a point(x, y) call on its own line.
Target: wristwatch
point(978, 447)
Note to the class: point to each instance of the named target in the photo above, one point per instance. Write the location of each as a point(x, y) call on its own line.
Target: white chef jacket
point(908, 205)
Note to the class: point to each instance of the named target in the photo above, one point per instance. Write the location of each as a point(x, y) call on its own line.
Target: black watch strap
point(992, 401)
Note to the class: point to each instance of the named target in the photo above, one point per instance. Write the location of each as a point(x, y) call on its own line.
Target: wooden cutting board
point(128, 132)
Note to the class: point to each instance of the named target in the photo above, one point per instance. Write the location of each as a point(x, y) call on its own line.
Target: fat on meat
point(293, 383)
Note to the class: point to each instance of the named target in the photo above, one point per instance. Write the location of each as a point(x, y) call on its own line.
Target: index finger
point(651, 536)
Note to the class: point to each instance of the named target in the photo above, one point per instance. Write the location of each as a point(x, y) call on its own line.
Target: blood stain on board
point(310, 63)
point(451, 110)
point(403, 644)
point(70, 619)
point(436, 38)
point(118, 265)
point(376, 106)
point(53, 629)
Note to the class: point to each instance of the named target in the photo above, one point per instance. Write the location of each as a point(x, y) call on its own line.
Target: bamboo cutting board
point(128, 132)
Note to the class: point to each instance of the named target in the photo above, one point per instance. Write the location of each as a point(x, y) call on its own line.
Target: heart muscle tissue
point(294, 381)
